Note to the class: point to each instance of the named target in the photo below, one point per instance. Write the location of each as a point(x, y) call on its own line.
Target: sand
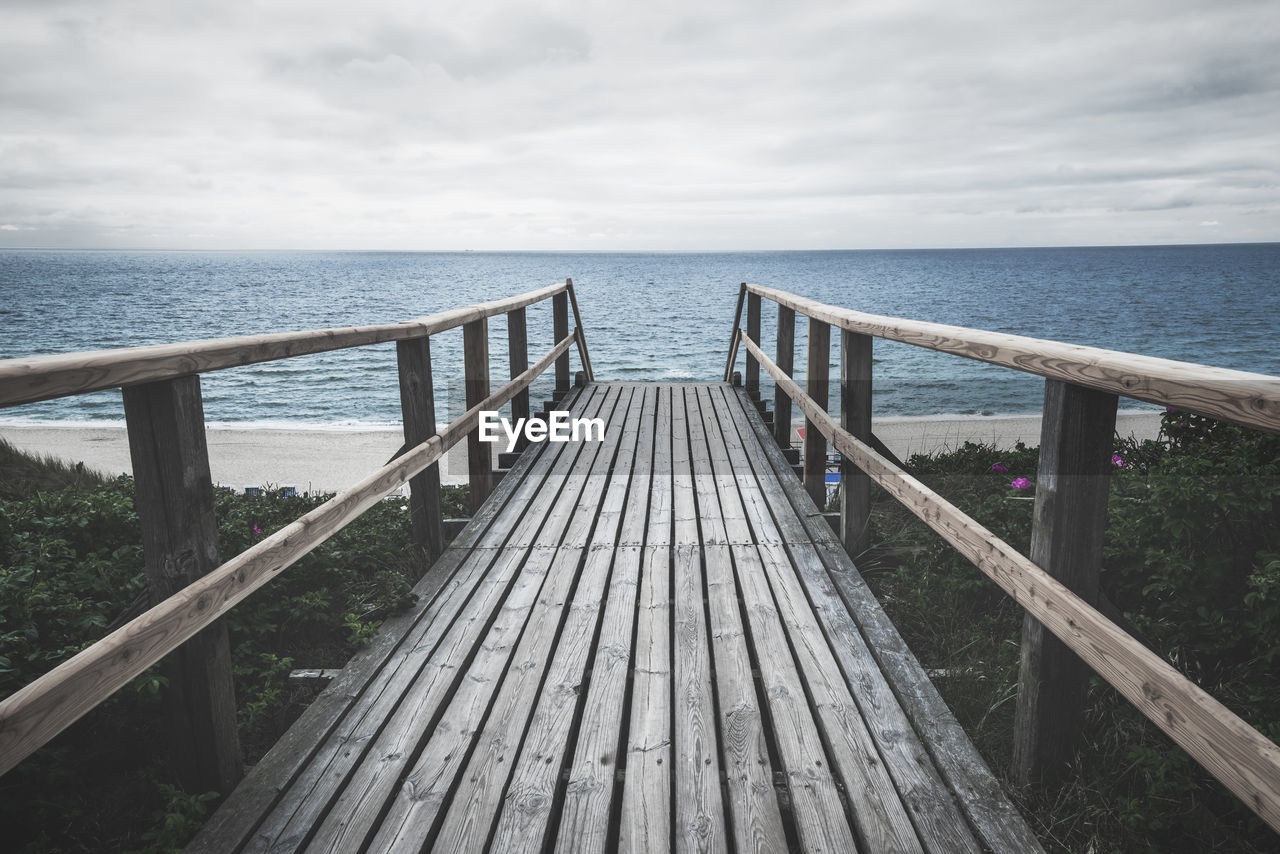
point(328, 460)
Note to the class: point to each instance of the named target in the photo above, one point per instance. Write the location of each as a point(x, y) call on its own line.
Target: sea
point(647, 316)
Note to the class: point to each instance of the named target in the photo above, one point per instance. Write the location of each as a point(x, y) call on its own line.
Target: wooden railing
point(1057, 584)
point(165, 419)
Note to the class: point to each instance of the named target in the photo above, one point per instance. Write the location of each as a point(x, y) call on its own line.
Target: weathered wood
point(753, 330)
point(1241, 758)
point(518, 356)
point(445, 697)
point(700, 812)
point(1246, 398)
point(475, 355)
point(418, 679)
point(816, 810)
point(418, 412)
point(646, 822)
point(46, 377)
point(818, 372)
point(1068, 525)
point(859, 723)
point(37, 712)
point(560, 324)
point(785, 357)
point(174, 501)
point(733, 338)
point(756, 823)
point(855, 418)
point(583, 354)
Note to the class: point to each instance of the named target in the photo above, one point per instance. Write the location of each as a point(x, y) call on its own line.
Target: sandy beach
point(327, 460)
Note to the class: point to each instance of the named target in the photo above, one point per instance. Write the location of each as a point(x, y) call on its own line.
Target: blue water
point(647, 316)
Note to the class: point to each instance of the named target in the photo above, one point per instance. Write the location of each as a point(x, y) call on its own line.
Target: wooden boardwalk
point(649, 643)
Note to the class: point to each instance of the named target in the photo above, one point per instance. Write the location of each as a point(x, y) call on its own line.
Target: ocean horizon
point(647, 316)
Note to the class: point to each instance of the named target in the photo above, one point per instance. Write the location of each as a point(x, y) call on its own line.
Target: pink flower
point(1118, 461)
point(256, 529)
point(1020, 483)
point(998, 467)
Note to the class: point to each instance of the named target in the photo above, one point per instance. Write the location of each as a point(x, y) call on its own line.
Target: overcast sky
point(638, 125)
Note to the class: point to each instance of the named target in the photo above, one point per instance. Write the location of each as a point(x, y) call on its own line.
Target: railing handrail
point(1239, 396)
point(37, 378)
point(37, 712)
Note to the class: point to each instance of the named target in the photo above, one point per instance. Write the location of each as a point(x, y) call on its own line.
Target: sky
point(659, 125)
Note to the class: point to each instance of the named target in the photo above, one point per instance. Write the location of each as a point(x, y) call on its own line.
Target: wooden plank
point(468, 808)
point(518, 356)
point(528, 809)
point(904, 704)
point(699, 808)
point(1068, 525)
point(485, 566)
point(174, 500)
point(646, 822)
point(401, 638)
point(589, 796)
point(475, 356)
point(785, 357)
point(816, 810)
point(733, 338)
point(818, 372)
point(1246, 398)
point(753, 330)
point(560, 324)
point(866, 730)
point(46, 377)
point(855, 417)
point(756, 821)
point(418, 413)
point(1241, 758)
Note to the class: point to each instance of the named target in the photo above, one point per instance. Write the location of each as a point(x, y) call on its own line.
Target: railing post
point(475, 353)
point(753, 332)
point(785, 357)
point(815, 444)
point(560, 326)
point(580, 334)
point(1069, 519)
point(174, 501)
point(518, 347)
point(733, 338)
point(418, 411)
point(855, 417)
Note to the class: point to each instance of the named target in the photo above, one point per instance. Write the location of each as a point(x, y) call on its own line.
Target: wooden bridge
point(650, 642)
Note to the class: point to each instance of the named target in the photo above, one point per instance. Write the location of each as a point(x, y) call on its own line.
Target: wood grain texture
point(785, 357)
point(37, 712)
point(1239, 396)
point(865, 725)
point(46, 377)
point(418, 416)
point(817, 381)
point(755, 820)
point(855, 418)
point(1239, 756)
point(174, 502)
point(1069, 523)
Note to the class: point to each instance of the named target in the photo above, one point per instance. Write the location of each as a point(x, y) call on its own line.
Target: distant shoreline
point(325, 459)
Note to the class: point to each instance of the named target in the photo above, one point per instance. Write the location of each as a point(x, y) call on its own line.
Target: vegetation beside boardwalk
point(1191, 567)
point(71, 570)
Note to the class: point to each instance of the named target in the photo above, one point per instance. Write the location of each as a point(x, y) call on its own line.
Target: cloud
point(561, 124)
